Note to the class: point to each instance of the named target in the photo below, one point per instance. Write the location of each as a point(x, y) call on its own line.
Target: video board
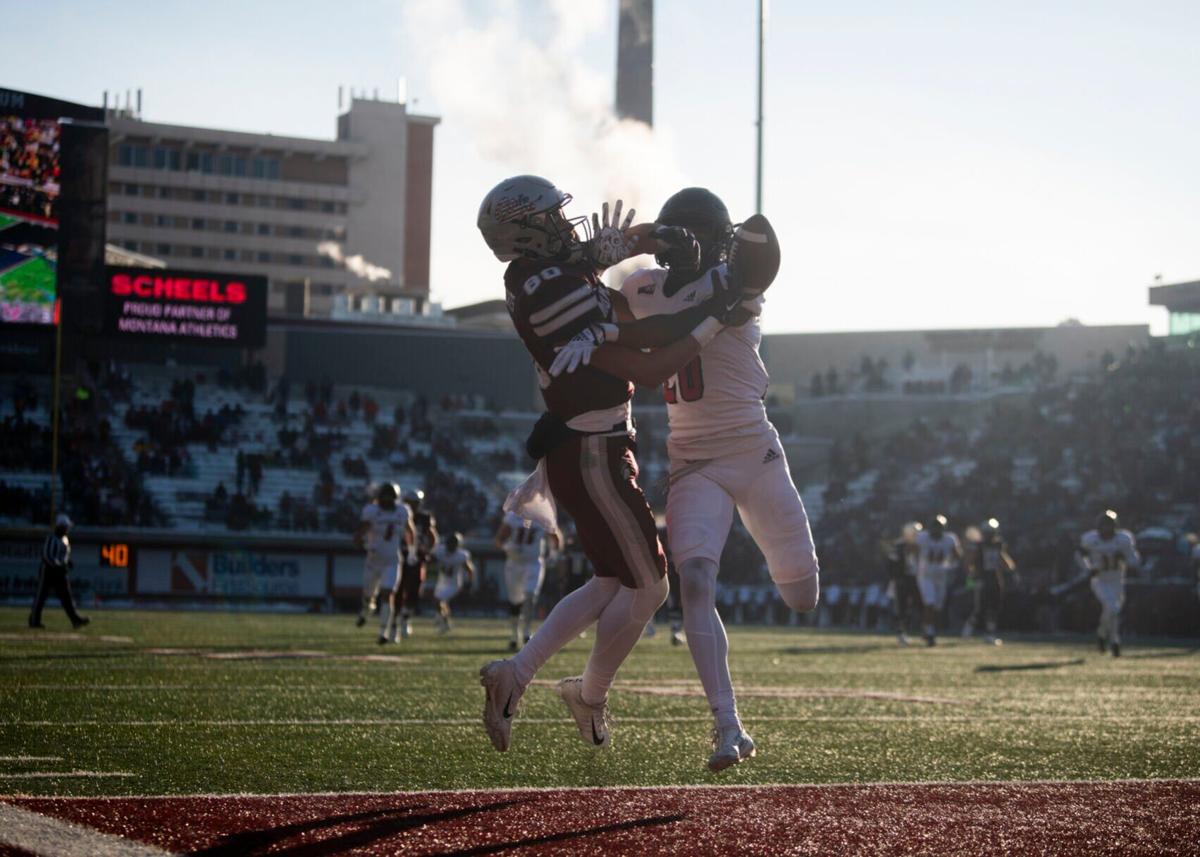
point(31, 189)
point(197, 307)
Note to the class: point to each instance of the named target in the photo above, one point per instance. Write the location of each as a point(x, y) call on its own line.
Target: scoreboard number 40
point(114, 555)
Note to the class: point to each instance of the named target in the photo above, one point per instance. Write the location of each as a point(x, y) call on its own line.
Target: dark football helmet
point(1107, 523)
point(387, 494)
point(453, 541)
point(990, 530)
point(702, 213)
point(522, 217)
point(936, 526)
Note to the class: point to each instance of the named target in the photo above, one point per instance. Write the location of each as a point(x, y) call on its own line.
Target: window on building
point(264, 229)
point(130, 218)
point(199, 196)
point(200, 162)
point(198, 223)
point(163, 220)
point(162, 249)
point(230, 255)
point(233, 199)
point(141, 156)
point(246, 255)
point(295, 259)
point(263, 257)
point(131, 189)
point(125, 155)
point(166, 158)
point(326, 262)
point(197, 253)
point(295, 203)
point(327, 207)
point(295, 232)
point(130, 245)
point(231, 226)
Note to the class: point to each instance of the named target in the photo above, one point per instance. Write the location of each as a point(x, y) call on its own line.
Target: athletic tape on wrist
point(611, 331)
point(706, 331)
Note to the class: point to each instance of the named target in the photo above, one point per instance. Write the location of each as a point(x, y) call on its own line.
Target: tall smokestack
point(635, 61)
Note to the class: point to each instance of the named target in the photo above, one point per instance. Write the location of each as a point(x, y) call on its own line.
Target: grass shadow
point(1039, 665)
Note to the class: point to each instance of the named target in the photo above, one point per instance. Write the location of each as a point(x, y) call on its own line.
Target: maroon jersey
point(550, 302)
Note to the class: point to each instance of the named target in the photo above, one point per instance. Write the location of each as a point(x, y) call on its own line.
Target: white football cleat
point(592, 720)
point(502, 694)
point(731, 745)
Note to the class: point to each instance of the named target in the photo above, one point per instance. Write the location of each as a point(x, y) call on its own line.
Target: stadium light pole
point(758, 162)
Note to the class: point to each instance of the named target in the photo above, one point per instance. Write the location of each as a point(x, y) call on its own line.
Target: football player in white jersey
point(385, 525)
point(527, 547)
point(724, 454)
point(938, 555)
point(1106, 553)
point(455, 574)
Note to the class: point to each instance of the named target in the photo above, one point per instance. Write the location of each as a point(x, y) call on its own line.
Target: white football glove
point(578, 350)
point(608, 244)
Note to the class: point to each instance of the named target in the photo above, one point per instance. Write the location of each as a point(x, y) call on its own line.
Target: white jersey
point(937, 554)
point(526, 544)
point(386, 530)
point(715, 403)
point(1109, 558)
point(451, 566)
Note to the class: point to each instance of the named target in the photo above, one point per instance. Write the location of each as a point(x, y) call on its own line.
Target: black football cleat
point(512, 645)
point(383, 641)
point(930, 640)
point(1101, 645)
point(360, 621)
point(80, 622)
point(36, 625)
point(1116, 650)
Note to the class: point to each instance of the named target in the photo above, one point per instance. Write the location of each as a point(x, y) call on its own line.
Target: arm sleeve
point(564, 306)
point(1132, 558)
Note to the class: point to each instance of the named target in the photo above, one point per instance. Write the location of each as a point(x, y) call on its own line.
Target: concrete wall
point(377, 184)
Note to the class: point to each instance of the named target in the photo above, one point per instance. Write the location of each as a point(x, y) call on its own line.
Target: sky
point(932, 164)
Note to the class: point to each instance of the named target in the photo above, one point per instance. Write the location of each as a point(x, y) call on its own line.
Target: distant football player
point(584, 443)
point(902, 571)
point(455, 574)
point(386, 525)
point(52, 575)
point(527, 547)
point(416, 559)
point(371, 569)
point(938, 555)
point(724, 452)
point(1107, 553)
point(989, 569)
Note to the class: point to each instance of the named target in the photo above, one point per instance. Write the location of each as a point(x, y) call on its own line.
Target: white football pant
point(1110, 592)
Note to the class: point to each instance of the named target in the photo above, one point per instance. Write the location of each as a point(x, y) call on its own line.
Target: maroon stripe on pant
point(564, 466)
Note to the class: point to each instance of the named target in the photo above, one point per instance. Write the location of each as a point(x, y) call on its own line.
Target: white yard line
point(689, 787)
point(30, 758)
point(57, 775)
point(41, 834)
point(475, 721)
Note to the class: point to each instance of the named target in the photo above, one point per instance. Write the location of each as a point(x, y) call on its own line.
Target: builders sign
point(231, 573)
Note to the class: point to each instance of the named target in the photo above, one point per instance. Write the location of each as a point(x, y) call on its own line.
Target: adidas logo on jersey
point(770, 456)
point(691, 298)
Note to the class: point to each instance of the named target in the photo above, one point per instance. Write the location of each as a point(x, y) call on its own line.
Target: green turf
point(32, 282)
point(1027, 710)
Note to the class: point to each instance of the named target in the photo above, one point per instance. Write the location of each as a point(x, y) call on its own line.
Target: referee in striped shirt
point(56, 562)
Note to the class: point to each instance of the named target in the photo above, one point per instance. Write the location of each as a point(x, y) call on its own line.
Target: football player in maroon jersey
point(585, 440)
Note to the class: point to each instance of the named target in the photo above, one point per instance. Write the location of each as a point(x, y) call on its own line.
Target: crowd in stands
point(1127, 438)
point(29, 160)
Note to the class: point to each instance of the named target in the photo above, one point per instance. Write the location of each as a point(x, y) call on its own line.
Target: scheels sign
point(190, 306)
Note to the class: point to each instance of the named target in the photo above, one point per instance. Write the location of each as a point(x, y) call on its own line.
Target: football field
point(383, 746)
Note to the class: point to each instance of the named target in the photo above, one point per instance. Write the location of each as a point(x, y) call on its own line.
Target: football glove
point(682, 250)
point(578, 349)
point(608, 244)
point(726, 298)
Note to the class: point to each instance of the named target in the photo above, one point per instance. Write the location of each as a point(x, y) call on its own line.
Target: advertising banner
point(231, 574)
point(186, 306)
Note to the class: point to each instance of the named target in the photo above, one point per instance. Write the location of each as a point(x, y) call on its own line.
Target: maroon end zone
point(1124, 817)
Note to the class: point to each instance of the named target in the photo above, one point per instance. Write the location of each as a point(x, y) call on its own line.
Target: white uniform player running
point(455, 572)
point(385, 525)
point(1107, 553)
point(527, 548)
point(938, 555)
point(724, 454)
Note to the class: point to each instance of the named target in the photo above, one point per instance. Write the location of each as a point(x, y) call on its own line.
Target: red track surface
point(1151, 817)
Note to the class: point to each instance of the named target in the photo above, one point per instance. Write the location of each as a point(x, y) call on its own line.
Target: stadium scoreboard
point(199, 307)
point(114, 555)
